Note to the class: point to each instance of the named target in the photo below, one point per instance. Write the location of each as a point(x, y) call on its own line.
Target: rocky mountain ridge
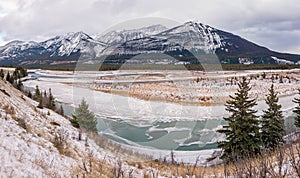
point(184, 43)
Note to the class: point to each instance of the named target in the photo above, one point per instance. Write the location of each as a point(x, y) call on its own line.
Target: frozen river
point(143, 125)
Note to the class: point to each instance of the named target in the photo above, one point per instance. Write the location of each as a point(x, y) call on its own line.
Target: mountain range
point(183, 43)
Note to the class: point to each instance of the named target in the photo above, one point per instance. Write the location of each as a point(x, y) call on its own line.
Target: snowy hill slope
point(36, 144)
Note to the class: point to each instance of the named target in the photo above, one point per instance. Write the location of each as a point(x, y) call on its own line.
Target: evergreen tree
point(1, 74)
point(16, 75)
point(41, 106)
point(272, 123)
point(263, 75)
point(297, 111)
point(242, 131)
point(9, 78)
point(61, 110)
point(84, 118)
point(29, 94)
point(51, 103)
point(21, 72)
point(74, 122)
point(281, 79)
point(37, 92)
point(19, 85)
point(272, 78)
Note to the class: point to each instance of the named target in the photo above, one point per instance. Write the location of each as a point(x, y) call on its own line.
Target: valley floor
point(192, 87)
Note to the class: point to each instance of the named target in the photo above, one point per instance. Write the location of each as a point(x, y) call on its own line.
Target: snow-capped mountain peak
point(71, 37)
point(19, 44)
point(65, 45)
point(12, 48)
point(194, 36)
point(120, 36)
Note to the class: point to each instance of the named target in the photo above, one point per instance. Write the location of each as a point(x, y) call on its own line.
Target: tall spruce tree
point(61, 110)
point(40, 105)
point(9, 78)
point(29, 94)
point(242, 132)
point(1, 73)
point(51, 103)
point(84, 118)
point(272, 123)
point(37, 92)
point(297, 111)
point(19, 85)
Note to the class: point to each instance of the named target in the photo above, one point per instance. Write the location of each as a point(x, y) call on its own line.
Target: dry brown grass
point(9, 109)
point(91, 167)
point(60, 142)
point(183, 170)
point(283, 162)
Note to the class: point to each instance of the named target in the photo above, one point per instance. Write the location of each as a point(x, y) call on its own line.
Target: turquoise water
point(174, 135)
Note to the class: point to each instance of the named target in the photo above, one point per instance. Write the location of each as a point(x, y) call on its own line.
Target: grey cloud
point(273, 23)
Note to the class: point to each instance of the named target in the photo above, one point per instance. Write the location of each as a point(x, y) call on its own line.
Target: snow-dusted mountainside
point(192, 37)
point(14, 47)
point(62, 49)
point(183, 43)
point(65, 45)
point(119, 37)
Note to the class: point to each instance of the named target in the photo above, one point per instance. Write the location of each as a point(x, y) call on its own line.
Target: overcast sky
point(271, 23)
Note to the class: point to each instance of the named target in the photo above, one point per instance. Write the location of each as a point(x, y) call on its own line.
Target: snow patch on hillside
point(245, 61)
point(282, 61)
